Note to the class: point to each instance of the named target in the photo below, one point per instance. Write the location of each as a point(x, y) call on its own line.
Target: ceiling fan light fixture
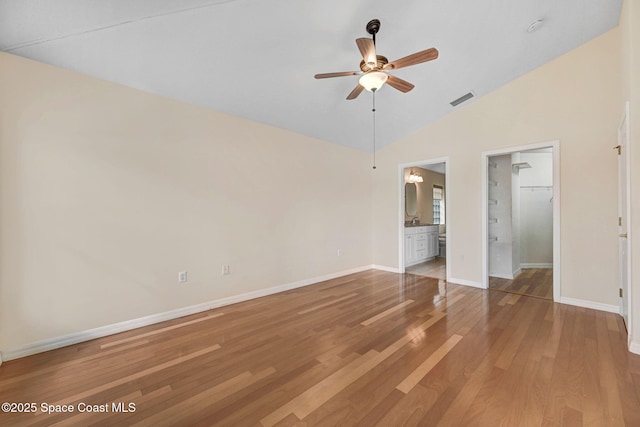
point(373, 80)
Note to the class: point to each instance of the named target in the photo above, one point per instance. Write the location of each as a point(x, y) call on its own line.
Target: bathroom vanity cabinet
point(420, 244)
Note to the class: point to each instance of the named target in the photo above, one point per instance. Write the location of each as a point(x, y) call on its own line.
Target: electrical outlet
point(225, 270)
point(182, 277)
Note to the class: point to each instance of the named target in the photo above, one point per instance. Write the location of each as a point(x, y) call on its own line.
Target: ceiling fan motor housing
point(381, 62)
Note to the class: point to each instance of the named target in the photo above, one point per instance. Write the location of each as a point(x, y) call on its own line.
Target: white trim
point(466, 283)
point(555, 145)
point(0, 358)
point(634, 347)
point(518, 271)
point(536, 265)
point(626, 118)
point(65, 340)
point(386, 268)
point(591, 304)
point(401, 211)
point(502, 276)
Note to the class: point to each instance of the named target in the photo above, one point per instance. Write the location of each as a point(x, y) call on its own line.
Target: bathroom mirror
point(410, 199)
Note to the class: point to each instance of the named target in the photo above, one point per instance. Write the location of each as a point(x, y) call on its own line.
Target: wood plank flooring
point(368, 349)
point(436, 268)
point(535, 282)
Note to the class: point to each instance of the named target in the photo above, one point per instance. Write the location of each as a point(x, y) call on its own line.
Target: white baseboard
point(537, 265)
point(65, 340)
point(466, 283)
point(634, 347)
point(501, 276)
point(590, 304)
point(518, 271)
point(385, 268)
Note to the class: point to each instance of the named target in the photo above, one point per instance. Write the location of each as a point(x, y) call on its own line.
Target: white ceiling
point(436, 167)
point(257, 58)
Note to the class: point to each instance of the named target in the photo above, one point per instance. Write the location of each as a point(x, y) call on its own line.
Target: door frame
point(627, 147)
point(401, 209)
point(555, 146)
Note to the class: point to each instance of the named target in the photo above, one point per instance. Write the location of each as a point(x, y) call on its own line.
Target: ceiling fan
point(374, 68)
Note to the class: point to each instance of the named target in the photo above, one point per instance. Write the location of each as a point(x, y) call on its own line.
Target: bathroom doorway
point(424, 214)
point(520, 221)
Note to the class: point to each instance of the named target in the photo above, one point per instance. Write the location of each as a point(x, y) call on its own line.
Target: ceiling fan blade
point(398, 83)
point(340, 74)
point(368, 51)
point(416, 58)
point(355, 92)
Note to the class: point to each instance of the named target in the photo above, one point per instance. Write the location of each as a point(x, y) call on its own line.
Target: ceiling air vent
point(463, 98)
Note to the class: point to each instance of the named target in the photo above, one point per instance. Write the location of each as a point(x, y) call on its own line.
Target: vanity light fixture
point(414, 177)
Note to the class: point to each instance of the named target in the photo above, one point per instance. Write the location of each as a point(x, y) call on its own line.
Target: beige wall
point(424, 192)
point(108, 192)
point(575, 99)
point(630, 27)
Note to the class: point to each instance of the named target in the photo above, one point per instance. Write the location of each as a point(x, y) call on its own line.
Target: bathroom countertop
point(418, 225)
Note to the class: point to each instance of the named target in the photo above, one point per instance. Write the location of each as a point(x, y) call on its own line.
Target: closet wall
point(536, 211)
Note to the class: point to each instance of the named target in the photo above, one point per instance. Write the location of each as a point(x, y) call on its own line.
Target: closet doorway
point(520, 221)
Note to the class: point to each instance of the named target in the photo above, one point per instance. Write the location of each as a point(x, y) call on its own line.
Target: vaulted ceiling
point(257, 58)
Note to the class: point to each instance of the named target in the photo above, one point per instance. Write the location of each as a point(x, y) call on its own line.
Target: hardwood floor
point(369, 349)
point(535, 282)
point(436, 268)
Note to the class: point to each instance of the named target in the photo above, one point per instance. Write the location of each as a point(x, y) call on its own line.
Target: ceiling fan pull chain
point(373, 110)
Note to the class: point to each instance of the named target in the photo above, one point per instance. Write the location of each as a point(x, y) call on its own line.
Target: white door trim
point(628, 291)
point(447, 198)
point(555, 145)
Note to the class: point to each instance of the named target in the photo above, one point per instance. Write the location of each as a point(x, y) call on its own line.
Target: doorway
point(424, 218)
point(521, 220)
